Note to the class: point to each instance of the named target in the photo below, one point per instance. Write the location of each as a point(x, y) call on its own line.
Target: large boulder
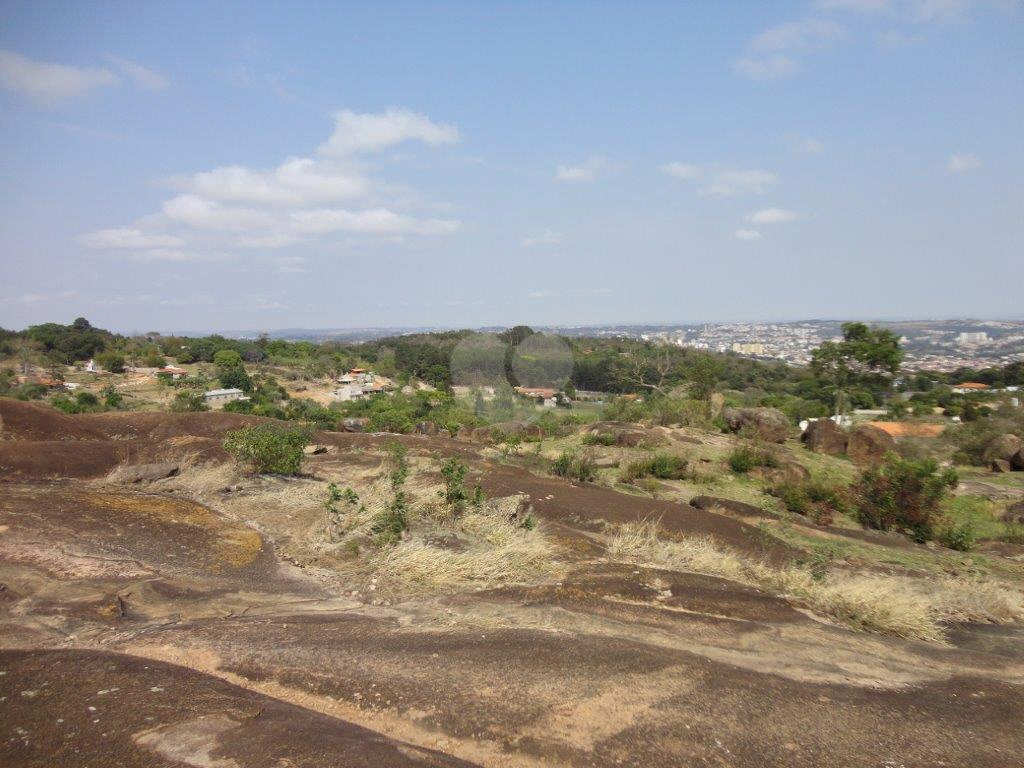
point(1003, 447)
point(868, 444)
point(1000, 465)
point(626, 435)
point(825, 436)
point(354, 425)
point(768, 424)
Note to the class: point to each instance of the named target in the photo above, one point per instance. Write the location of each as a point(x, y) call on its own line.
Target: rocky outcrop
point(1000, 465)
point(626, 435)
point(825, 436)
point(868, 445)
point(521, 429)
point(1004, 447)
point(768, 424)
point(1017, 461)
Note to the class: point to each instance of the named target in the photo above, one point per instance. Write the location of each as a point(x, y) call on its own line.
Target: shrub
point(188, 400)
point(606, 439)
point(903, 495)
point(573, 466)
point(270, 448)
point(664, 466)
point(454, 494)
point(958, 536)
point(812, 498)
point(745, 457)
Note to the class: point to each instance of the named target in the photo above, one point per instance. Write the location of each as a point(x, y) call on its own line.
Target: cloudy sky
point(180, 167)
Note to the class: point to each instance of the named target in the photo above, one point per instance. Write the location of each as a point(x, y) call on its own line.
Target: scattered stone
point(768, 424)
point(148, 473)
point(868, 445)
point(315, 450)
point(825, 436)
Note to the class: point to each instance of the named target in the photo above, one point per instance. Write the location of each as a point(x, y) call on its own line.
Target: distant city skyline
point(263, 165)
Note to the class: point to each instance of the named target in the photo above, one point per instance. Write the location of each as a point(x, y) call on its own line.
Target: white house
point(217, 397)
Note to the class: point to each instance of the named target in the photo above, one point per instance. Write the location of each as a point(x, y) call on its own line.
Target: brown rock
point(147, 473)
point(825, 436)
point(354, 425)
point(768, 424)
point(1003, 447)
point(315, 450)
point(868, 445)
point(1000, 465)
point(1014, 513)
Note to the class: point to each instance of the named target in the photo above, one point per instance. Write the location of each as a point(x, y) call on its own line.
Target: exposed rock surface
point(147, 473)
point(768, 424)
point(1004, 447)
point(868, 445)
point(825, 436)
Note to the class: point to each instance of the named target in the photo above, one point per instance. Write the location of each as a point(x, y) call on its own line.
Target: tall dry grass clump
point(900, 606)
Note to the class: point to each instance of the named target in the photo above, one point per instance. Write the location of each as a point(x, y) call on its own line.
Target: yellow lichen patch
point(233, 543)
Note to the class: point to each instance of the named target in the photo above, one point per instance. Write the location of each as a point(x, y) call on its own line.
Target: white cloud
point(586, 171)
point(809, 145)
point(128, 237)
point(376, 221)
point(143, 76)
point(49, 84)
point(681, 170)
point(765, 69)
point(961, 163)
point(730, 183)
point(860, 6)
point(723, 182)
point(298, 181)
point(796, 35)
point(209, 214)
point(771, 216)
point(549, 237)
point(747, 234)
point(355, 132)
point(302, 201)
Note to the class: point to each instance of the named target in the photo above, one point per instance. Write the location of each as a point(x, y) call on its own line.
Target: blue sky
point(178, 167)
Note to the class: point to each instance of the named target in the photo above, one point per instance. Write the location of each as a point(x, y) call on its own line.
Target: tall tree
point(866, 358)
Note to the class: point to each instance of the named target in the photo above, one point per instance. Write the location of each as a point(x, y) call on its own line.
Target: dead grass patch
point(894, 605)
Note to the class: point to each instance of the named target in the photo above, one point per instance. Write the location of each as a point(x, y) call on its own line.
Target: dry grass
point(493, 549)
point(901, 606)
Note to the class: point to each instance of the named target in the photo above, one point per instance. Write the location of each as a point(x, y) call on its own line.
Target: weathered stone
point(825, 436)
point(768, 424)
point(1003, 447)
point(354, 425)
point(315, 450)
point(1000, 465)
point(728, 506)
point(868, 444)
point(148, 473)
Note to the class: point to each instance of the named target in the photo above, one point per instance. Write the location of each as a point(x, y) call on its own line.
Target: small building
point(174, 372)
point(220, 397)
point(970, 388)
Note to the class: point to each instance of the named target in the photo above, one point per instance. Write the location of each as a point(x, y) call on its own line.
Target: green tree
point(866, 358)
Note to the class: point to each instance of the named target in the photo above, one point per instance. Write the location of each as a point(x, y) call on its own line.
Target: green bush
point(454, 493)
point(269, 448)
point(903, 495)
point(745, 457)
point(812, 498)
point(188, 400)
point(960, 537)
point(606, 439)
point(575, 467)
point(664, 466)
